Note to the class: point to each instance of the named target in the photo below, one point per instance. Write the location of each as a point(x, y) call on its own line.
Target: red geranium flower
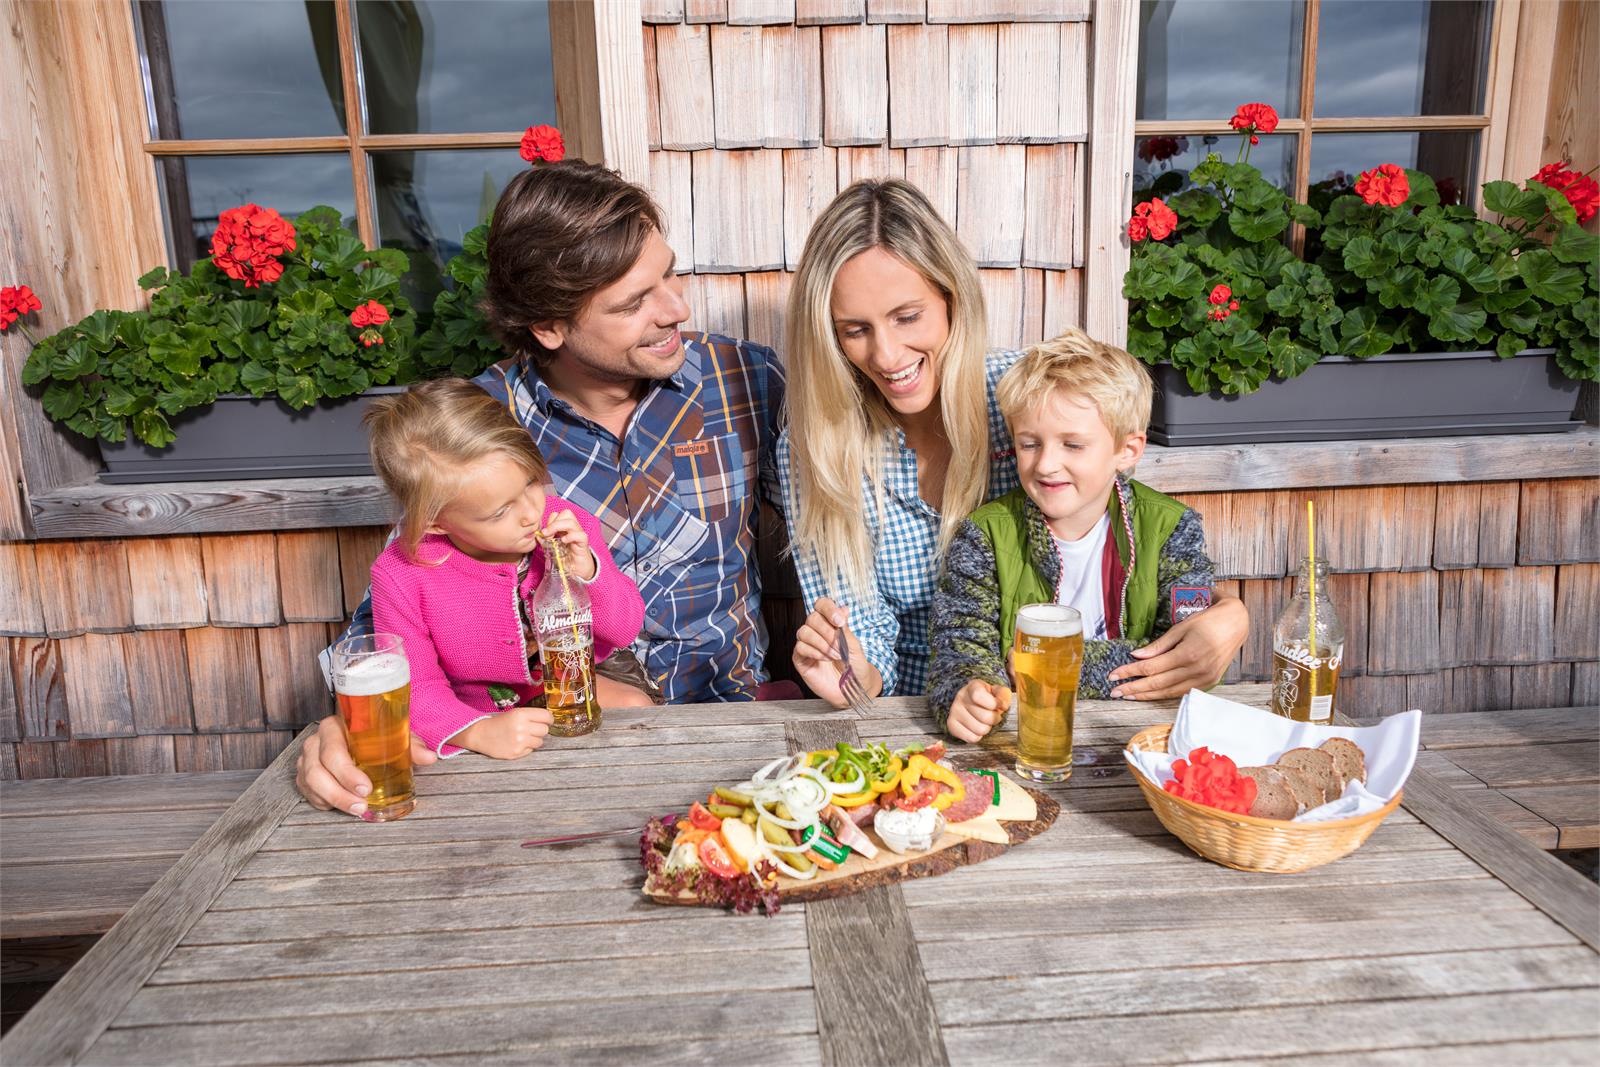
point(1386, 184)
point(1253, 119)
point(15, 302)
point(371, 313)
point(1581, 191)
point(247, 242)
point(1220, 294)
point(543, 142)
point(1154, 219)
point(1160, 149)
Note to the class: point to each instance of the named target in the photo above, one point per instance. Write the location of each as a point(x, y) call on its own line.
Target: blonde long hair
point(839, 424)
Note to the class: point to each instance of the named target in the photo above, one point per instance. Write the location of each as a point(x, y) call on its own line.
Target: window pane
point(1161, 164)
point(1449, 157)
point(200, 188)
point(1401, 57)
point(1201, 59)
point(427, 201)
point(464, 66)
point(222, 69)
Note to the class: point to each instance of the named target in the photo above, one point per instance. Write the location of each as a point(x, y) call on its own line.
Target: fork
point(849, 685)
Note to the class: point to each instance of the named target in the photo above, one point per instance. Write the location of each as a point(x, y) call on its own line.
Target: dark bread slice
point(1347, 757)
point(1274, 798)
point(1307, 794)
point(1318, 766)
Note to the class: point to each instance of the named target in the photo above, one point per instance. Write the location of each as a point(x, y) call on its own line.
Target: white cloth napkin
point(1252, 737)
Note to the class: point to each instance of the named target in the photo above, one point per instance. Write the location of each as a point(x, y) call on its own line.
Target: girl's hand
point(816, 655)
point(507, 735)
point(572, 543)
point(1193, 654)
point(976, 709)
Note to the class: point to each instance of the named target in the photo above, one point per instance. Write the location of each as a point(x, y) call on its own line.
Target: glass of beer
point(373, 682)
point(1046, 659)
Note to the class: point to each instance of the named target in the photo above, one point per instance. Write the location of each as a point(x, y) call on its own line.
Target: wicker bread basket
point(1244, 842)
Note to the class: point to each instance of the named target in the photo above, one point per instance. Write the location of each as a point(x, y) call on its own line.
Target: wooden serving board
point(858, 873)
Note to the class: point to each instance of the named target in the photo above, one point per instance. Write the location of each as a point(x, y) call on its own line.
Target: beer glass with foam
point(1046, 659)
point(373, 683)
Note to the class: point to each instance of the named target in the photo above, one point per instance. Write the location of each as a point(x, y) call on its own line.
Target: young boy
point(1078, 532)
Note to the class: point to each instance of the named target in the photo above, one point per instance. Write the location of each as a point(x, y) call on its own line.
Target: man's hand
point(816, 654)
point(1193, 654)
point(328, 778)
point(976, 710)
point(508, 735)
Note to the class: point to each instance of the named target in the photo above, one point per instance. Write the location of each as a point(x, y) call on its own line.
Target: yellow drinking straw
point(1311, 541)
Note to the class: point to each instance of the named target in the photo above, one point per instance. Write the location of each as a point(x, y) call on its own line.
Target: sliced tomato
point(935, 751)
point(715, 858)
point(921, 797)
point(701, 819)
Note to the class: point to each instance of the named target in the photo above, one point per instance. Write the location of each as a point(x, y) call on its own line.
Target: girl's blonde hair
point(1077, 365)
point(839, 424)
point(424, 439)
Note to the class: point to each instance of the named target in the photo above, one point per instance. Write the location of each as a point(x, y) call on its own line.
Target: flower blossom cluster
point(15, 302)
point(247, 243)
point(367, 318)
point(1581, 191)
point(1154, 219)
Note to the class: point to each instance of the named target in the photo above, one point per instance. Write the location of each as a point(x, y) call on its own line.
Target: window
point(405, 115)
point(1356, 83)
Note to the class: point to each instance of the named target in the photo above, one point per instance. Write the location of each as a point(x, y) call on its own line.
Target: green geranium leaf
point(1162, 316)
point(100, 329)
point(1504, 198)
point(393, 260)
point(1147, 345)
point(1573, 246)
point(1458, 323)
point(117, 399)
point(1436, 294)
point(1520, 320)
point(62, 400)
point(153, 429)
point(1304, 214)
point(1185, 281)
point(1470, 269)
point(1424, 193)
point(1289, 356)
point(74, 361)
point(297, 390)
point(376, 282)
point(1548, 279)
point(1362, 334)
point(256, 378)
point(241, 316)
point(1364, 258)
point(1258, 225)
point(1509, 344)
point(1196, 206)
point(476, 242)
point(153, 279)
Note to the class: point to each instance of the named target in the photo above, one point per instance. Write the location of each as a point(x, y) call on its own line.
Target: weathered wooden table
point(290, 936)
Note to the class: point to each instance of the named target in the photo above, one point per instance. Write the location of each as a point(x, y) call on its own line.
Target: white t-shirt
point(1081, 586)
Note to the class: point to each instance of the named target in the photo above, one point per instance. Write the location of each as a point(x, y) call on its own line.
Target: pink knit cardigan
point(458, 617)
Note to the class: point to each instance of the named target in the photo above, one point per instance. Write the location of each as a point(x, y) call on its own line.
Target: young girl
point(456, 581)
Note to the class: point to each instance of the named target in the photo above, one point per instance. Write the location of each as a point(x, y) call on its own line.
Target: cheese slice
point(983, 828)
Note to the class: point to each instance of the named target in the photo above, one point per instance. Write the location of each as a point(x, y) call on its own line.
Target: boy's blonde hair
point(1076, 363)
point(423, 440)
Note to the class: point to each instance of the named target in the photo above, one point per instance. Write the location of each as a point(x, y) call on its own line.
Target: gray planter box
point(1432, 394)
point(242, 437)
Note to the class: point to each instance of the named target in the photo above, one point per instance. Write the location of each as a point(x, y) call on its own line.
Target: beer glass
point(1046, 659)
point(373, 683)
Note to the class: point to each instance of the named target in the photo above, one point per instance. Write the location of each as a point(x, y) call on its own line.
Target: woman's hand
point(572, 543)
point(1193, 654)
point(816, 654)
point(328, 778)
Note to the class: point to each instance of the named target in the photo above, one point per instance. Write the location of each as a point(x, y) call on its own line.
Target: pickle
point(733, 796)
point(779, 836)
point(748, 816)
point(726, 811)
point(782, 810)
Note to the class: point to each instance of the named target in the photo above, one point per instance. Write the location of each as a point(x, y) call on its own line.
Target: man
point(665, 437)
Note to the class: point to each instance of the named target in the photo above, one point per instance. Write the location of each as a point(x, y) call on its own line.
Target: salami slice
point(975, 802)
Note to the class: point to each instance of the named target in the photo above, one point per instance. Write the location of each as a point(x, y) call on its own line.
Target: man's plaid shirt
point(678, 498)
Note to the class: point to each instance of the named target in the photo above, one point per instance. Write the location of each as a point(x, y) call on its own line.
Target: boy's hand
point(816, 655)
point(573, 544)
point(508, 735)
point(976, 709)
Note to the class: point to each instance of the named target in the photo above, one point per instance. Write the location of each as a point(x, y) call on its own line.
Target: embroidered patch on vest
point(1189, 600)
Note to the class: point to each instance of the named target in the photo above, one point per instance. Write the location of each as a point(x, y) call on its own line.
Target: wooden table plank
point(69, 1019)
point(1503, 767)
point(1574, 809)
point(1528, 726)
point(123, 792)
point(80, 898)
point(1558, 1053)
point(873, 1004)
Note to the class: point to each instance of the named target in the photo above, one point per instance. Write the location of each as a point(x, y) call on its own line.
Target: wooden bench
point(1537, 771)
point(75, 853)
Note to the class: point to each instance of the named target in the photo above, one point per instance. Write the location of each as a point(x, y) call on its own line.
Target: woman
point(893, 437)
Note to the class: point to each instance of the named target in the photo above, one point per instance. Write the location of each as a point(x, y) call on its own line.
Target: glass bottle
point(563, 625)
point(1306, 658)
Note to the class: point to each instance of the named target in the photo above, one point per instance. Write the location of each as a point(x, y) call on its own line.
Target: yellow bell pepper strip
point(922, 767)
point(854, 800)
point(890, 779)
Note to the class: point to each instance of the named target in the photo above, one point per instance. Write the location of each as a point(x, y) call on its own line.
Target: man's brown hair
point(561, 232)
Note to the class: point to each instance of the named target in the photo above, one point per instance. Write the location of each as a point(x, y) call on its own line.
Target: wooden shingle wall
point(1459, 597)
point(760, 111)
point(169, 653)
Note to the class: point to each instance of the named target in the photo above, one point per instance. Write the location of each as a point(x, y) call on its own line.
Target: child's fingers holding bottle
point(527, 728)
point(573, 543)
point(976, 709)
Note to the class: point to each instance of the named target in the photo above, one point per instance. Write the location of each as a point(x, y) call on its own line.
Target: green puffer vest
point(1022, 548)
